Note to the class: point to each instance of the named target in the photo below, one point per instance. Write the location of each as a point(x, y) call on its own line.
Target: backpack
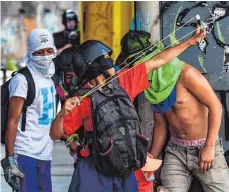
point(5, 101)
point(118, 147)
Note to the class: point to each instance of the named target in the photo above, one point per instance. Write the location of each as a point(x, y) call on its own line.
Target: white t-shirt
point(35, 141)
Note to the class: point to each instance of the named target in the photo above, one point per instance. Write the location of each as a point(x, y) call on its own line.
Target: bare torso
point(189, 118)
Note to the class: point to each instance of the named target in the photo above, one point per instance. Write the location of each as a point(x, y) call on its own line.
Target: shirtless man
point(194, 149)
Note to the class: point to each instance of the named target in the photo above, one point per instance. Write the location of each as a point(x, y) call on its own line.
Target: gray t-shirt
point(35, 141)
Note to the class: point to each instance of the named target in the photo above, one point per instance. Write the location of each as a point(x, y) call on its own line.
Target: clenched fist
point(69, 105)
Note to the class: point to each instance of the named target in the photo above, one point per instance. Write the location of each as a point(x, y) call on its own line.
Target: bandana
point(40, 39)
point(163, 79)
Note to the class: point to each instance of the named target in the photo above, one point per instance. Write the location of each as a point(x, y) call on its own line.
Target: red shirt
point(133, 82)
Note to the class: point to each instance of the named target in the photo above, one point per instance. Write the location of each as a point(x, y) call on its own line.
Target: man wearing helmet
point(65, 89)
point(70, 36)
point(63, 65)
point(91, 62)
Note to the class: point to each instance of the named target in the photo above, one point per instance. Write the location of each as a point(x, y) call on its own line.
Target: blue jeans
point(37, 174)
point(86, 178)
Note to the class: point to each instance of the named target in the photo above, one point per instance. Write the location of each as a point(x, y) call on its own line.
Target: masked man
point(181, 96)
point(29, 152)
point(70, 37)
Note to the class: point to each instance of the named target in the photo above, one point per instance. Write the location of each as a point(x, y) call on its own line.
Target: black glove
point(11, 172)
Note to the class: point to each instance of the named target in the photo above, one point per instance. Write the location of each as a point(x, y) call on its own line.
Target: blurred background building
point(18, 18)
point(98, 20)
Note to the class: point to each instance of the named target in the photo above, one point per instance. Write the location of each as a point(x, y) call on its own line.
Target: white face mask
point(43, 61)
point(44, 64)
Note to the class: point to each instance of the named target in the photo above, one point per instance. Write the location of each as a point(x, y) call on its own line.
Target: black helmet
point(85, 54)
point(67, 81)
point(64, 61)
point(69, 15)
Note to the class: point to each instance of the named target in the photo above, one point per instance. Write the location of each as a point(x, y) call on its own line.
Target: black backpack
point(5, 101)
point(118, 147)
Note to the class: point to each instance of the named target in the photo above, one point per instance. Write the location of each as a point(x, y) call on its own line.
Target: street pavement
point(62, 169)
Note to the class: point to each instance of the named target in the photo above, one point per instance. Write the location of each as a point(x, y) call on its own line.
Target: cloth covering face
point(162, 80)
point(167, 104)
point(40, 39)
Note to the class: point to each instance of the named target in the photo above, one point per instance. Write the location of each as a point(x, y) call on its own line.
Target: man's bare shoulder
point(189, 72)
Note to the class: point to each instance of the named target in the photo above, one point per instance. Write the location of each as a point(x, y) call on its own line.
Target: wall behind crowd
point(106, 21)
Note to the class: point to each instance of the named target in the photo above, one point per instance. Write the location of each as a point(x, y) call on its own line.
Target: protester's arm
point(60, 42)
point(11, 172)
point(159, 134)
point(196, 83)
point(15, 108)
point(169, 54)
point(63, 48)
point(57, 130)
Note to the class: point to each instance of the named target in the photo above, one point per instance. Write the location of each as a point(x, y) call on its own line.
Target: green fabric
point(11, 65)
point(162, 80)
point(135, 41)
point(134, 45)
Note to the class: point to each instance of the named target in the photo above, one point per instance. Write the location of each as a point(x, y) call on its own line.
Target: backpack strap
point(30, 94)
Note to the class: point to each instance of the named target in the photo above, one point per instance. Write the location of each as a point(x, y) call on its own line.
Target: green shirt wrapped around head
point(162, 80)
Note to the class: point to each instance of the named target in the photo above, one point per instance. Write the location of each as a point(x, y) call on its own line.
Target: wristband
point(73, 137)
